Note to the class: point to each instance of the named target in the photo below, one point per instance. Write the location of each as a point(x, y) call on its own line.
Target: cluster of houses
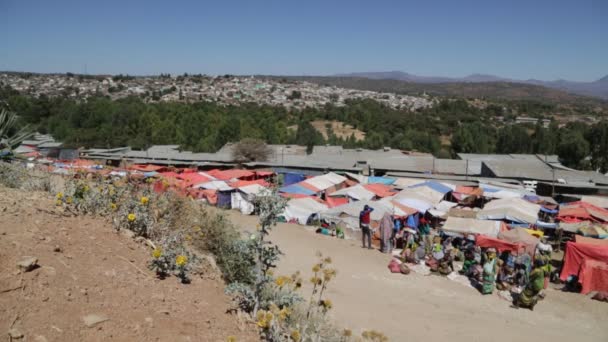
point(228, 90)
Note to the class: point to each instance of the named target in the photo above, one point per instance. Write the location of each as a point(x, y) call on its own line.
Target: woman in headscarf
point(386, 231)
point(529, 296)
point(489, 272)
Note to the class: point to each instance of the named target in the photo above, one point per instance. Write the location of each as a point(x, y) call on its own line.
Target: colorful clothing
point(489, 274)
point(529, 296)
point(386, 232)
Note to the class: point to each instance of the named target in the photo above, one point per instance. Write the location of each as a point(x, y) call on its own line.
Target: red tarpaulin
point(231, 174)
point(242, 183)
point(582, 211)
point(146, 167)
point(500, 245)
point(591, 275)
point(593, 241)
point(264, 174)
point(336, 201)
point(379, 189)
point(193, 178)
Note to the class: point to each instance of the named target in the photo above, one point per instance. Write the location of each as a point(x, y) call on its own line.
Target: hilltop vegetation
point(206, 126)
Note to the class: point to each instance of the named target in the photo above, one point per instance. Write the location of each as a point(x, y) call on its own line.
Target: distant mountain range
point(597, 88)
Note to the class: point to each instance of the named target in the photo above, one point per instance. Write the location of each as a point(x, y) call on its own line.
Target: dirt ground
point(430, 308)
point(97, 272)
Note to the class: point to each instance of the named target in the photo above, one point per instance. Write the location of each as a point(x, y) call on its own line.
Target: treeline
point(450, 127)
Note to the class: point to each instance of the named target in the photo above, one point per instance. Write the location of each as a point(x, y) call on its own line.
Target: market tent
point(520, 236)
point(242, 199)
point(300, 209)
point(325, 181)
point(240, 183)
point(192, 178)
point(214, 185)
point(297, 189)
point(417, 204)
point(333, 202)
point(589, 262)
point(593, 241)
point(402, 183)
point(380, 190)
point(357, 192)
point(292, 178)
point(424, 194)
point(231, 174)
point(349, 213)
point(511, 209)
point(575, 211)
point(380, 180)
point(502, 192)
point(439, 187)
point(467, 226)
point(500, 245)
point(598, 201)
point(146, 167)
point(397, 208)
point(442, 209)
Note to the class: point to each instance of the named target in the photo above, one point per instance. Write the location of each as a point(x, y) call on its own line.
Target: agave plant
point(9, 140)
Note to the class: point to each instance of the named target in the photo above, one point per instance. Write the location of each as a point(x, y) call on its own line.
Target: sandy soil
point(97, 272)
point(431, 308)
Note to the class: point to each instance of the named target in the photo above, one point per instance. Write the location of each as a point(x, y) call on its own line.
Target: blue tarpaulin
point(296, 189)
point(292, 178)
point(435, 186)
point(224, 199)
point(380, 180)
point(550, 211)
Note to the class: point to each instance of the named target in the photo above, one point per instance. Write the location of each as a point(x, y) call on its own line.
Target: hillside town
point(227, 90)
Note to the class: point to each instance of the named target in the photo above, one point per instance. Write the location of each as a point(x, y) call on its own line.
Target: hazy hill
point(597, 88)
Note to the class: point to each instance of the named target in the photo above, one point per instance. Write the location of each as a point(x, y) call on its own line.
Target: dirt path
point(430, 308)
point(96, 272)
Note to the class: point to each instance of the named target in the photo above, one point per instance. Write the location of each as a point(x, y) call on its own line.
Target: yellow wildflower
point(316, 268)
point(58, 202)
point(188, 238)
point(196, 228)
point(284, 313)
point(157, 253)
point(326, 304)
point(144, 200)
point(280, 281)
point(264, 318)
point(69, 200)
point(231, 339)
point(85, 188)
point(327, 260)
point(295, 336)
point(181, 260)
point(59, 195)
point(113, 206)
point(131, 217)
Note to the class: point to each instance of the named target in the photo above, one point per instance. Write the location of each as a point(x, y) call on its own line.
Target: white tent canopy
point(214, 185)
point(597, 201)
point(468, 226)
point(300, 209)
point(325, 181)
point(512, 209)
point(357, 192)
point(442, 208)
point(349, 212)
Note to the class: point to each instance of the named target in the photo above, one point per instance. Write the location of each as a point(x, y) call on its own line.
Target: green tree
point(573, 149)
point(598, 141)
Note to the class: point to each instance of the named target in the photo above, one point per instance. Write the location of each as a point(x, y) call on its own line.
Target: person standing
point(364, 224)
point(386, 233)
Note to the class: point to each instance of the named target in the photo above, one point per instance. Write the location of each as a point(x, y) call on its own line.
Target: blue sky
point(519, 39)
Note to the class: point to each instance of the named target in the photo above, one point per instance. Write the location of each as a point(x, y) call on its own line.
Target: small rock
point(45, 299)
point(94, 319)
point(28, 263)
point(57, 249)
point(41, 238)
point(40, 338)
point(128, 233)
point(84, 292)
point(15, 334)
point(149, 321)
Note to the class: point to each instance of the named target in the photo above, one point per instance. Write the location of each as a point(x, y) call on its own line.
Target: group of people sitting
point(523, 275)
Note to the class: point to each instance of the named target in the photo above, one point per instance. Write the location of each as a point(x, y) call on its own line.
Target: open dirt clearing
point(431, 308)
point(96, 271)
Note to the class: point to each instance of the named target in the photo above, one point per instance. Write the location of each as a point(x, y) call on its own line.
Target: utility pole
point(467, 170)
point(553, 183)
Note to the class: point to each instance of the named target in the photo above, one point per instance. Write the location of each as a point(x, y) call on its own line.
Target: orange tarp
point(146, 168)
point(380, 190)
point(242, 183)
